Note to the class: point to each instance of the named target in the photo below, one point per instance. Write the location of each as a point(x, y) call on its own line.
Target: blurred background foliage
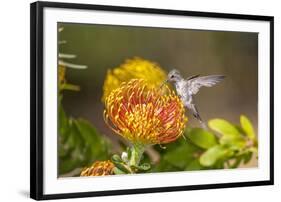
point(83, 135)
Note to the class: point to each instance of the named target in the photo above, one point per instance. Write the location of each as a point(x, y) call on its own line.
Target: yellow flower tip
point(135, 68)
point(62, 70)
point(145, 115)
point(99, 168)
point(63, 84)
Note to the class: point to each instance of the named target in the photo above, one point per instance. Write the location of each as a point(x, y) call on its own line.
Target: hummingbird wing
point(194, 83)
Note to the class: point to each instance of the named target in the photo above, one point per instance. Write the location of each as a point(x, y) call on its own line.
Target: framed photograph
point(134, 100)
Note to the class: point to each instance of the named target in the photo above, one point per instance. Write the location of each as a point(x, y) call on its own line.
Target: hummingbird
point(187, 88)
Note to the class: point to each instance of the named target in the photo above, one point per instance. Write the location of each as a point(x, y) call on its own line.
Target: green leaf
point(224, 127)
point(63, 121)
point(247, 157)
point(88, 132)
point(194, 165)
point(212, 155)
point(80, 144)
point(67, 164)
point(235, 143)
point(129, 152)
point(122, 167)
point(181, 155)
point(253, 150)
point(117, 171)
point(94, 140)
point(74, 141)
point(116, 159)
point(144, 167)
point(202, 138)
point(247, 127)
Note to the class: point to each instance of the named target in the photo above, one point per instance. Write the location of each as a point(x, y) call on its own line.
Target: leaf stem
point(136, 154)
point(67, 86)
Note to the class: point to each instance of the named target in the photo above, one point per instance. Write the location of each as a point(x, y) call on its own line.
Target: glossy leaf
point(94, 140)
point(194, 165)
point(212, 155)
point(122, 167)
point(202, 138)
point(180, 156)
point(223, 127)
point(116, 159)
point(117, 171)
point(80, 144)
point(235, 143)
point(247, 127)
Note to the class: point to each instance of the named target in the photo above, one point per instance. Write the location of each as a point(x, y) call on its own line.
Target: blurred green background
point(100, 47)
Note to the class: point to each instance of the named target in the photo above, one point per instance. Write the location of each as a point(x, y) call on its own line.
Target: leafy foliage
point(180, 155)
point(248, 127)
point(224, 127)
point(235, 144)
point(213, 155)
point(201, 138)
point(228, 146)
point(79, 143)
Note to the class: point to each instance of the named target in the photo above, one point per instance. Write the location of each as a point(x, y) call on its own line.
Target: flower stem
point(136, 154)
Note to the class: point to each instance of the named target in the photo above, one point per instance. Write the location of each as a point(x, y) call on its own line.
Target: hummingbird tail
point(198, 117)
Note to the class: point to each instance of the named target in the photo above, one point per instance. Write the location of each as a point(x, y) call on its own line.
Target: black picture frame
point(36, 98)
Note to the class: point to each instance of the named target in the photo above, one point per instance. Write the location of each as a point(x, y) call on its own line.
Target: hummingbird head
point(174, 76)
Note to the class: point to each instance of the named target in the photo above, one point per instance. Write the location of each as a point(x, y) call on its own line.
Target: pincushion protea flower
point(143, 115)
point(99, 168)
point(136, 68)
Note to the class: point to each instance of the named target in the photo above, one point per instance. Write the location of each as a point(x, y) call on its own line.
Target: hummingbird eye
point(172, 76)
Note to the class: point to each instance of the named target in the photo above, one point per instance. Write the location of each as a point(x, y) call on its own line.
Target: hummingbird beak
point(164, 83)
